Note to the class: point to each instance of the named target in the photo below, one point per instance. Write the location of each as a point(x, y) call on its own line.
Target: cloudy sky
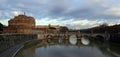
point(74, 14)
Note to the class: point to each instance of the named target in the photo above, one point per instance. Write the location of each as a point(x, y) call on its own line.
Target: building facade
point(47, 29)
point(20, 24)
point(26, 24)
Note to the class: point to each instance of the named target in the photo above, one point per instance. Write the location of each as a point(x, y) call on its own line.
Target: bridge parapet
point(51, 35)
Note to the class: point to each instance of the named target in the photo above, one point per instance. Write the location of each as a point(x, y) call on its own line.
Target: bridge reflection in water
point(71, 47)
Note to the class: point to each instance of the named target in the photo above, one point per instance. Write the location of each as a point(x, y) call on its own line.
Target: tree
point(103, 25)
point(63, 29)
point(1, 27)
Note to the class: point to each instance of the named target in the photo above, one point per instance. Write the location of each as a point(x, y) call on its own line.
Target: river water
point(70, 48)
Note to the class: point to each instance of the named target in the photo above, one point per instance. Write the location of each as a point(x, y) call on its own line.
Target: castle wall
point(20, 24)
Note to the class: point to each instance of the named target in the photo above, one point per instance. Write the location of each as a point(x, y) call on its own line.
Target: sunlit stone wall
point(20, 24)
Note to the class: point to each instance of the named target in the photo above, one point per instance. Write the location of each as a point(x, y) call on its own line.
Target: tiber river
point(70, 48)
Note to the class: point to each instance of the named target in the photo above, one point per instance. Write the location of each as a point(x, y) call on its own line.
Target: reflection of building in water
point(20, 24)
point(47, 43)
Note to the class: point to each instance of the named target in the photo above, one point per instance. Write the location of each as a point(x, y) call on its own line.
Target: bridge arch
point(49, 36)
point(99, 37)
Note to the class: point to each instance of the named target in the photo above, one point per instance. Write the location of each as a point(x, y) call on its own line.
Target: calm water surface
point(70, 48)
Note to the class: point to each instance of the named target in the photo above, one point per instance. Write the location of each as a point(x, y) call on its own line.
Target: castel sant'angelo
point(25, 24)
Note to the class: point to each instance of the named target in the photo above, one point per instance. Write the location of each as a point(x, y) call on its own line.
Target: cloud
point(81, 12)
point(16, 13)
point(83, 24)
point(0, 13)
point(115, 11)
point(65, 8)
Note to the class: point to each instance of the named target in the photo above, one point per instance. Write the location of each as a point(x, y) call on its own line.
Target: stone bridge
point(104, 36)
point(55, 36)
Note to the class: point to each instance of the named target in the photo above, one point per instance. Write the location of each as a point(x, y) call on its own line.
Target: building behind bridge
point(47, 28)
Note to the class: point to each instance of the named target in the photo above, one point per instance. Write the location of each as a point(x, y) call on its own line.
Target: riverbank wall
point(9, 40)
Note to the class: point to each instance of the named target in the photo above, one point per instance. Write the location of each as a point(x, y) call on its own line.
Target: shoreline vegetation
point(104, 28)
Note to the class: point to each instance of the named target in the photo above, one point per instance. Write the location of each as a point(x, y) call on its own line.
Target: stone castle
point(26, 24)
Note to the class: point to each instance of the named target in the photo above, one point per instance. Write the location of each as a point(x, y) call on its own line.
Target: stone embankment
point(9, 40)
